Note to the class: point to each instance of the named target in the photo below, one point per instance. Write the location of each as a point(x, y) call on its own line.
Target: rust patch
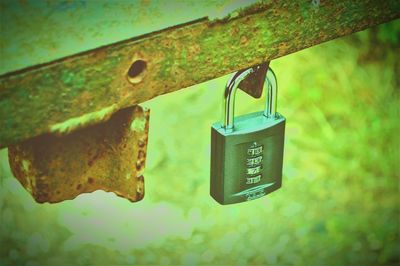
point(108, 156)
point(253, 84)
point(140, 187)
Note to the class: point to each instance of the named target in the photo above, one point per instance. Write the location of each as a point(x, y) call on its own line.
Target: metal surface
point(229, 175)
point(253, 84)
point(272, 94)
point(247, 152)
point(229, 97)
point(84, 89)
point(269, 85)
point(110, 156)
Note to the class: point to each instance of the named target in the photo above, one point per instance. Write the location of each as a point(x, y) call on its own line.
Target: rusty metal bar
point(86, 88)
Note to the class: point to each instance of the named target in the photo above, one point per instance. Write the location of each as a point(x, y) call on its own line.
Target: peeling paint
point(138, 125)
point(84, 120)
point(315, 3)
point(25, 165)
point(230, 10)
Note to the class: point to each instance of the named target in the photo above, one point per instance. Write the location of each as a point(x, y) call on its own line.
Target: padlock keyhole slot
point(137, 71)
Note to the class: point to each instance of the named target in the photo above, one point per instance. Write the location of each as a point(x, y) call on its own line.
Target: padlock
point(247, 151)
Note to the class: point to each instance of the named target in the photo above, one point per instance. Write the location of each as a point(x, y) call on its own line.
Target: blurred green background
point(339, 204)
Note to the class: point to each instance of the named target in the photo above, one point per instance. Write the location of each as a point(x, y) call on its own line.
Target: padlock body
point(246, 163)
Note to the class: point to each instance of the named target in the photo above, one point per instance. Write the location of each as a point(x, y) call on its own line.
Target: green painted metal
point(45, 97)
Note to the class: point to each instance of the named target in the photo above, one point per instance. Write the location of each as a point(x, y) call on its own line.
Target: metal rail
point(86, 88)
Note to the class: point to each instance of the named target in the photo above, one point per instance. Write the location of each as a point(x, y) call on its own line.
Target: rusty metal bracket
point(87, 88)
point(109, 156)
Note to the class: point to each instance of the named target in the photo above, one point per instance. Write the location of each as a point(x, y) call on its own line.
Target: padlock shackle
point(230, 92)
point(271, 83)
point(229, 96)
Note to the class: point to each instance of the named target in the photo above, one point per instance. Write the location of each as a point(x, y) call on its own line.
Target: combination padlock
point(247, 151)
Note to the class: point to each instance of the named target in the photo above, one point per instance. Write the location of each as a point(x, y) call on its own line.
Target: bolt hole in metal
point(137, 71)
